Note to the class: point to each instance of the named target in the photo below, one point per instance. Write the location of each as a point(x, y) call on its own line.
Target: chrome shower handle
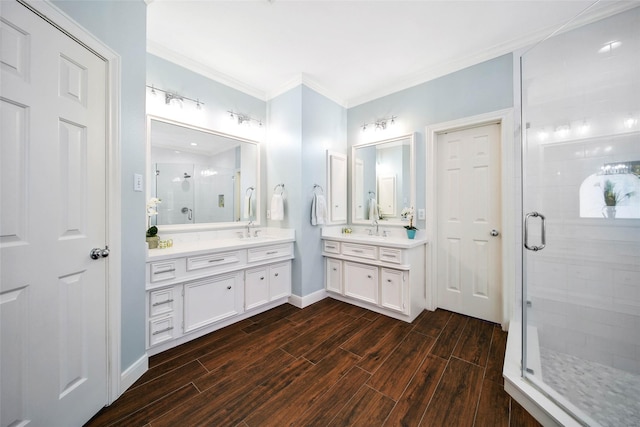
point(543, 238)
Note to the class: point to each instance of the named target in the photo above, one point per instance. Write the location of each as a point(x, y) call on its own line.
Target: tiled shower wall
point(585, 285)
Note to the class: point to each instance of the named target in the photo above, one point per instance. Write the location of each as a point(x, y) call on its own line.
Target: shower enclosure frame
point(544, 403)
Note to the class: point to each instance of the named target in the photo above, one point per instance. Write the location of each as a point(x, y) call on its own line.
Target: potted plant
point(612, 198)
point(408, 213)
point(152, 231)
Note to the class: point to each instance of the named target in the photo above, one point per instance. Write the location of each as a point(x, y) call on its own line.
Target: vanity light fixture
point(380, 124)
point(171, 96)
point(243, 118)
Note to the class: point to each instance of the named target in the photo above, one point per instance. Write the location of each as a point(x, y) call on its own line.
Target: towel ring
point(249, 191)
point(318, 186)
point(281, 188)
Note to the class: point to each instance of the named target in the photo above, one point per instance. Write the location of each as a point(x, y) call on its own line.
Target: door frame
point(508, 202)
point(63, 22)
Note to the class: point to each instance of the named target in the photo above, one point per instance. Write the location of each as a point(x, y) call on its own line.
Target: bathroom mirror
point(383, 180)
point(202, 177)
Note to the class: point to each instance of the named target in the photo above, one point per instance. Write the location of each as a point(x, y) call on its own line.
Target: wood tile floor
point(329, 364)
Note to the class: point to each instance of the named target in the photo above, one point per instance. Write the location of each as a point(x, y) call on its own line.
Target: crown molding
point(197, 67)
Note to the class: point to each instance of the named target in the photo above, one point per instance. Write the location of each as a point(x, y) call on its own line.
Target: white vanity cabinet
point(266, 284)
point(193, 292)
point(361, 281)
point(333, 275)
point(383, 275)
point(212, 299)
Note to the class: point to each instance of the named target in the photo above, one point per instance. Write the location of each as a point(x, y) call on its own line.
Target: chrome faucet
point(375, 222)
point(249, 228)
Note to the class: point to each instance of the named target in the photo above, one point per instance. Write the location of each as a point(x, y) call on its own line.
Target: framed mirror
point(204, 178)
point(383, 180)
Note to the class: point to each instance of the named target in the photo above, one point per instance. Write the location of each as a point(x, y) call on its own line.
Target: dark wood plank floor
point(329, 364)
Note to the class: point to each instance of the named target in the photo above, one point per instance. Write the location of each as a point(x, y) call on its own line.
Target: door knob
point(494, 232)
point(97, 252)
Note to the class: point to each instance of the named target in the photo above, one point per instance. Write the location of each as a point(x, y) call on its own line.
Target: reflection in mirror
point(202, 176)
point(383, 180)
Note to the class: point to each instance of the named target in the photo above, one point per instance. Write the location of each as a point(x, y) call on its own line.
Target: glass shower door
point(175, 186)
point(581, 200)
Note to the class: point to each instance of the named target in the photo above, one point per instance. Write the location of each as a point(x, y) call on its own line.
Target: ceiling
point(350, 51)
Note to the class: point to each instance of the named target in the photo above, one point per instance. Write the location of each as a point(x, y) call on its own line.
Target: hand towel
point(318, 210)
point(373, 209)
point(277, 207)
point(248, 208)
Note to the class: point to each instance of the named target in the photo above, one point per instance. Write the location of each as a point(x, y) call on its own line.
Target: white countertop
point(188, 244)
point(396, 239)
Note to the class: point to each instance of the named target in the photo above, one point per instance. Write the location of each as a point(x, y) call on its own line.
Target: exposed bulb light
point(543, 136)
point(584, 127)
point(562, 131)
point(630, 122)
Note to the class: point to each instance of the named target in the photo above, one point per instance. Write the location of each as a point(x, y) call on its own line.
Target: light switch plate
point(420, 213)
point(137, 182)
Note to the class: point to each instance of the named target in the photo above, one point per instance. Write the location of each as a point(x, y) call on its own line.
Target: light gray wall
point(478, 89)
point(122, 26)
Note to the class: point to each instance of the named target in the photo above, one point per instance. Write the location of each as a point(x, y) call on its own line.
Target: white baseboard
point(133, 373)
point(307, 300)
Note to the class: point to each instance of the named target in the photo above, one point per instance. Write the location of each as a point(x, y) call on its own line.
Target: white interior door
point(52, 294)
point(387, 195)
point(468, 208)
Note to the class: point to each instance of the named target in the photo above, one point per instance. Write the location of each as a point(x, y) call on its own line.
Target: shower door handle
point(543, 231)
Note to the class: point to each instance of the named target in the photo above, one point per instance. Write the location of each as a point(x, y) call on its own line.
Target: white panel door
point(52, 294)
point(468, 206)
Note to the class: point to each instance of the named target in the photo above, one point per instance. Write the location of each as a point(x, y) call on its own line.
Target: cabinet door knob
point(369, 276)
point(389, 280)
point(276, 274)
point(262, 278)
point(335, 269)
point(229, 287)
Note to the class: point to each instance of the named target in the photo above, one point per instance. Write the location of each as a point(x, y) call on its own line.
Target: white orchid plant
point(152, 210)
point(408, 213)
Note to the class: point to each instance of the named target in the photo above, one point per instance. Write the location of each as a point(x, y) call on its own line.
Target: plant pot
point(411, 234)
point(152, 241)
point(609, 212)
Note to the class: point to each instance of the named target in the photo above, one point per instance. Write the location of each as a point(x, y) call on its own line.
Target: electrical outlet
point(137, 182)
point(421, 214)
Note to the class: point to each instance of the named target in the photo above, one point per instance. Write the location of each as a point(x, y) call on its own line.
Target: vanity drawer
point(164, 270)
point(161, 301)
point(161, 330)
point(269, 252)
point(360, 251)
point(391, 255)
point(332, 247)
point(226, 259)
